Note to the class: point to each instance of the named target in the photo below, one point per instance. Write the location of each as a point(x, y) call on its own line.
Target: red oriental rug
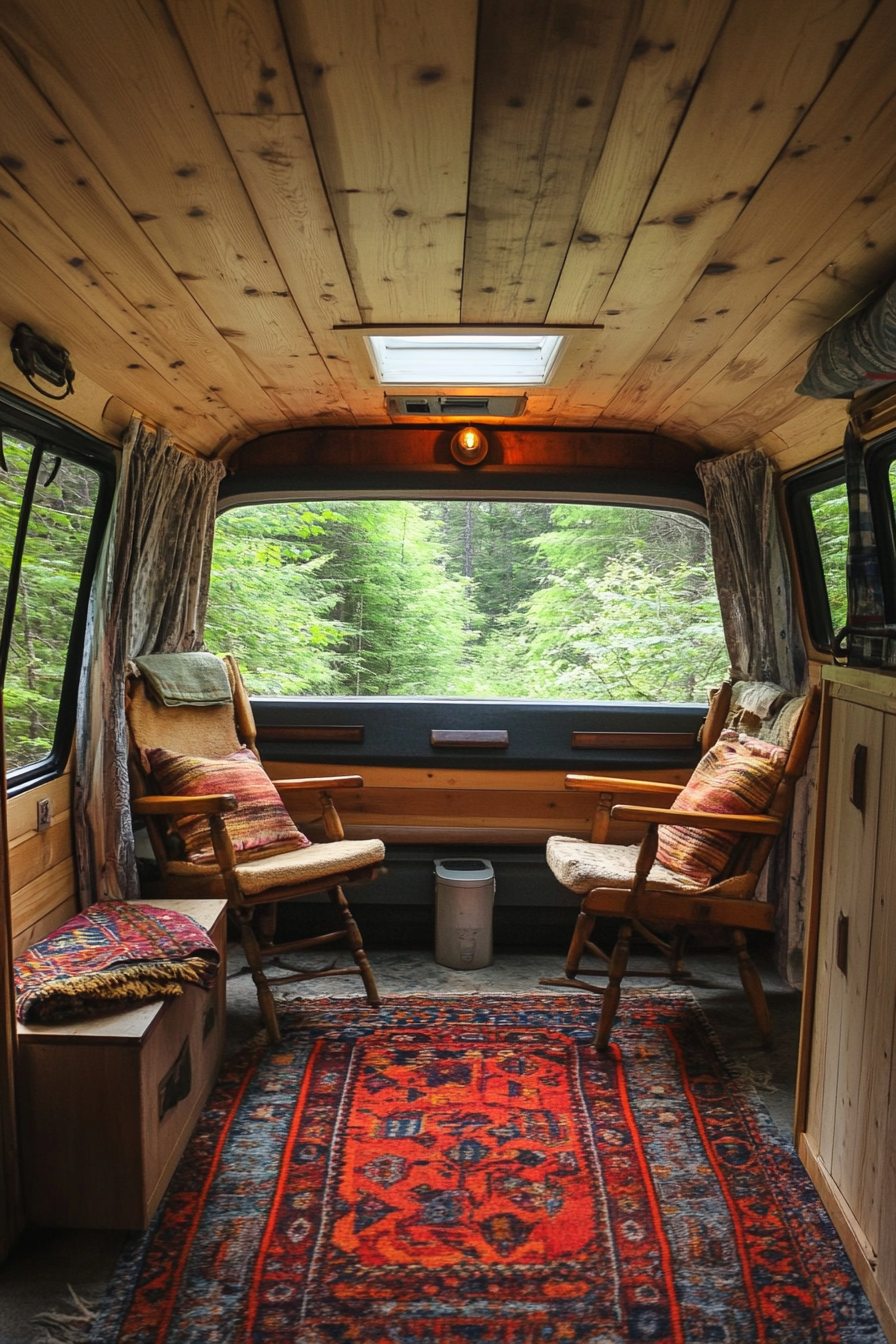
point(472, 1171)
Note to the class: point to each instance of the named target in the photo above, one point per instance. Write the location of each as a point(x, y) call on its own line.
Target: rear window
point(467, 598)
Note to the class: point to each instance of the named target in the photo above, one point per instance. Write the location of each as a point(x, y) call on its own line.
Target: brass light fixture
point(469, 446)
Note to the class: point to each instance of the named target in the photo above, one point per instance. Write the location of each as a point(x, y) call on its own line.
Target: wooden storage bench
point(106, 1106)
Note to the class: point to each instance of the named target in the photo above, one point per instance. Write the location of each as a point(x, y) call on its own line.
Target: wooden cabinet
point(846, 1108)
point(107, 1105)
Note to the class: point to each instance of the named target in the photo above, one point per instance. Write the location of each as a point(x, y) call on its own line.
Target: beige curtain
point(764, 644)
point(149, 596)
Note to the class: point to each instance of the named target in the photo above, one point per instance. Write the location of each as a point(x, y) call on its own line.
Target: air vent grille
point(435, 404)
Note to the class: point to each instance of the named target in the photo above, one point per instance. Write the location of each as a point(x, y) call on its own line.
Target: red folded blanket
point(115, 953)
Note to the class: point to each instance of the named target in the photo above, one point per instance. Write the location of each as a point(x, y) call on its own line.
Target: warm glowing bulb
point(469, 446)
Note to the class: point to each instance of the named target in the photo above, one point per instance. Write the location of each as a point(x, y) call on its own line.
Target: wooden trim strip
point(312, 732)
point(634, 741)
point(469, 737)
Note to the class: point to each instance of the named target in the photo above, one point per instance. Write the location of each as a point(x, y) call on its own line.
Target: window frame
point(798, 493)
point(880, 454)
point(603, 487)
point(53, 437)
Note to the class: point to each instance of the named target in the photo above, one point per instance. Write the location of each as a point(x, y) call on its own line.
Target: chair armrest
point(716, 821)
point(333, 782)
point(179, 805)
point(606, 784)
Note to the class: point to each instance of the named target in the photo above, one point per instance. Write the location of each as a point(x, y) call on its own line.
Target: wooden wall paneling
point(86, 411)
point(846, 283)
point(548, 75)
point(11, 1208)
point(767, 67)
point(388, 89)
point(30, 292)
point(239, 54)
point(40, 152)
point(36, 231)
point(833, 181)
point(45, 925)
point(872, 1169)
point(41, 871)
point(848, 881)
point(674, 40)
point(123, 57)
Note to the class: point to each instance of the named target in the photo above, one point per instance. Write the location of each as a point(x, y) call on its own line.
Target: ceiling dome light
point(469, 446)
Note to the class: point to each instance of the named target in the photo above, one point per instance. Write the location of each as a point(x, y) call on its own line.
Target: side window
point(819, 514)
point(478, 598)
point(830, 514)
point(48, 534)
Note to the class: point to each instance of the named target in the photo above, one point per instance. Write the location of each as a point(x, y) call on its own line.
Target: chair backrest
point(198, 730)
point(774, 715)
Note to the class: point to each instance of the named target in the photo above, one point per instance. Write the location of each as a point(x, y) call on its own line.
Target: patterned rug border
point(116, 1300)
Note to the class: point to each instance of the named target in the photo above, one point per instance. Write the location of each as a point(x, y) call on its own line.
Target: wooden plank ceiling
point(194, 194)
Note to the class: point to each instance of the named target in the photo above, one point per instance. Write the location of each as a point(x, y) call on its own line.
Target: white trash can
point(465, 898)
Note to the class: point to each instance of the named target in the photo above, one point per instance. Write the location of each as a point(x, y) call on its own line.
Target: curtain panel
point(149, 596)
point(764, 644)
point(867, 643)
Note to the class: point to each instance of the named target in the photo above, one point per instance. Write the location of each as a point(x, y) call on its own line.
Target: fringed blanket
point(114, 954)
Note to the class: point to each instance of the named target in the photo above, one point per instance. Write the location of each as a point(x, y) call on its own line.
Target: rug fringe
point(70, 1326)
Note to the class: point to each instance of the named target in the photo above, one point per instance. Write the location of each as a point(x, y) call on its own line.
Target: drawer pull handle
point(858, 777)
point(176, 1084)
point(312, 732)
point(842, 942)
point(633, 741)
point(468, 737)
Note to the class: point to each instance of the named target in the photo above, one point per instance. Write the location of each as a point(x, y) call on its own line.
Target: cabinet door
point(846, 907)
point(875, 1138)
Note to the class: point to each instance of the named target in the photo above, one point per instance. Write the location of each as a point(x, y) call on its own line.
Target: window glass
point(467, 598)
point(17, 457)
point(52, 565)
point(830, 514)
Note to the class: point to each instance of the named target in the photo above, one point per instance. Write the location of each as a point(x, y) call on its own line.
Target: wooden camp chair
point(625, 882)
point(259, 883)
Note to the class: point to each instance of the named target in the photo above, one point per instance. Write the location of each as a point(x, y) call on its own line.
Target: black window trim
point(879, 455)
point(53, 437)
point(798, 494)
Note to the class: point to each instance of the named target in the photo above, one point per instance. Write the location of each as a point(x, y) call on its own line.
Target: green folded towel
point(180, 679)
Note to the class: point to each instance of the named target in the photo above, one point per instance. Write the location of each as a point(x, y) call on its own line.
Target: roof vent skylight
point(464, 361)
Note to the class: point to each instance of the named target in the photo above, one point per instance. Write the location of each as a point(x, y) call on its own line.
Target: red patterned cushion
point(738, 775)
point(260, 822)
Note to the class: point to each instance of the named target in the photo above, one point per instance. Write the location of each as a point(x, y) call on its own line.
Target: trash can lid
point(464, 870)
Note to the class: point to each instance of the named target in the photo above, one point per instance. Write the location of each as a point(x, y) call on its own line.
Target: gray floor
point(45, 1263)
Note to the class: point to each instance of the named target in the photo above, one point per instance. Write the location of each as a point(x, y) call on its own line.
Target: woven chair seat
point(304, 865)
point(580, 865)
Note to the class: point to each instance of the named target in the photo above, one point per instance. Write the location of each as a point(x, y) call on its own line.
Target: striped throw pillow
point(260, 824)
point(739, 775)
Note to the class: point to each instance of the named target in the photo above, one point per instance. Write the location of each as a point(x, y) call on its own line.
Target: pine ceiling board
point(238, 52)
point(30, 292)
point(34, 228)
point(118, 76)
point(769, 408)
point(548, 75)
point(819, 196)
point(41, 154)
point(811, 434)
point(387, 87)
point(861, 220)
point(674, 40)
point(766, 69)
point(847, 284)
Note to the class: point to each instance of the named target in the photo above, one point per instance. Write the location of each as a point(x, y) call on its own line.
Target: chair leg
point(676, 952)
point(262, 988)
point(267, 924)
point(356, 943)
point(749, 977)
point(584, 925)
point(618, 964)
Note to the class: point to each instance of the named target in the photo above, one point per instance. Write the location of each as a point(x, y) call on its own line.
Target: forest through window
point(467, 598)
